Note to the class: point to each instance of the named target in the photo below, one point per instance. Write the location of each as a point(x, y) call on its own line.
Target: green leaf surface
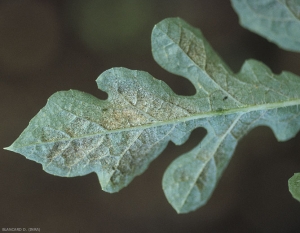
point(276, 20)
point(250, 98)
point(76, 133)
point(294, 186)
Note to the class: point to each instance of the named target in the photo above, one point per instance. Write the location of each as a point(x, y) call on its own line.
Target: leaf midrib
point(179, 120)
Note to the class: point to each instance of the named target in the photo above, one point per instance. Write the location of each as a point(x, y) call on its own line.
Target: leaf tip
point(10, 148)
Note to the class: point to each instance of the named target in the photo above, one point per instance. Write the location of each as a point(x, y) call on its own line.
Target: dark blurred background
point(48, 46)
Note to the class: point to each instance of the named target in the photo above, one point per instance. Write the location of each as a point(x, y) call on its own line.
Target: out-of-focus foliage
point(276, 20)
point(109, 25)
point(294, 186)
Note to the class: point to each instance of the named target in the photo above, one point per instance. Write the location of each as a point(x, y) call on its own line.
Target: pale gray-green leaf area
point(276, 20)
point(294, 186)
point(117, 138)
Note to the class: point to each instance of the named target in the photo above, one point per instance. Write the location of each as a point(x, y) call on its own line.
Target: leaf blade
point(76, 133)
point(106, 142)
point(254, 85)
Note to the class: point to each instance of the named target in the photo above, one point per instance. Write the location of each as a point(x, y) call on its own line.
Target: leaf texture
point(257, 97)
point(276, 20)
point(76, 133)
